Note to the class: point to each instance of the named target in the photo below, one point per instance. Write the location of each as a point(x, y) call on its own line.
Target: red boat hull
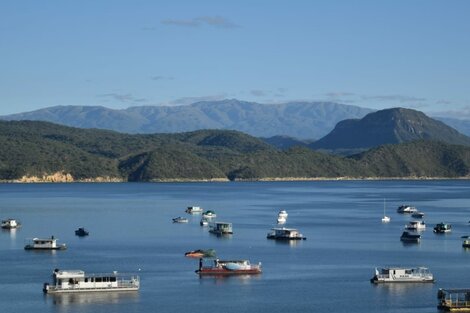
point(225, 272)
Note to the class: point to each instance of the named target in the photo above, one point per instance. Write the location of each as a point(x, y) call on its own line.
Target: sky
point(118, 54)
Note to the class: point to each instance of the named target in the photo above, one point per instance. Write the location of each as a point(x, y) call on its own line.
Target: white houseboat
point(77, 281)
point(44, 244)
point(193, 209)
point(402, 275)
point(282, 233)
point(220, 228)
point(416, 225)
point(10, 224)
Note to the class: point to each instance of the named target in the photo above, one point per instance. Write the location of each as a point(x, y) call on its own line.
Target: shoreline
point(98, 180)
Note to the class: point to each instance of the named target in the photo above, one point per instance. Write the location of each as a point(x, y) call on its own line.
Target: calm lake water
point(131, 231)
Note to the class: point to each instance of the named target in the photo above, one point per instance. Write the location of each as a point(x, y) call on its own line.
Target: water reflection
point(405, 289)
point(87, 298)
point(292, 243)
point(223, 279)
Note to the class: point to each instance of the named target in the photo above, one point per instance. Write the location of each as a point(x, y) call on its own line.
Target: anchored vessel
point(406, 209)
point(409, 237)
point(10, 224)
point(402, 275)
point(416, 225)
point(282, 217)
point(81, 232)
point(442, 228)
point(193, 209)
point(209, 214)
point(77, 281)
point(417, 214)
point(454, 300)
point(282, 233)
point(237, 267)
point(44, 244)
point(220, 228)
point(209, 253)
point(180, 219)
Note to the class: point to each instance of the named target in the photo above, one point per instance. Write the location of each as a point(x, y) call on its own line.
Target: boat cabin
point(44, 244)
point(406, 209)
point(76, 281)
point(442, 228)
point(220, 228)
point(401, 274)
point(416, 225)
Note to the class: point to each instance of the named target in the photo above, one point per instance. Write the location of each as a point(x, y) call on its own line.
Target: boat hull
point(374, 280)
point(225, 272)
point(84, 290)
point(51, 248)
point(273, 237)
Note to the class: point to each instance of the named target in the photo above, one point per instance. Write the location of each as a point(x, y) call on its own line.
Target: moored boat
point(406, 209)
point(454, 300)
point(442, 228)
point(409, 237)
point(209, 214)
point(229, 267)
point(402, 275)
point(416, 225)
point(180, 219)
point(81, 232)
point(193, 209)
point(282, 233)
point(10, 224)
point(417, 214)
point(466, 241)
point(67, 281)
point(44, 244)
point(209, 253)
point(221, 228)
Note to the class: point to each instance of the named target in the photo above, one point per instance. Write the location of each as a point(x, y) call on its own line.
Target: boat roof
point(69, 273)
point(219, 223)
point(455, 290)
point(404, 268)
point(284, 228)
point(43, 239)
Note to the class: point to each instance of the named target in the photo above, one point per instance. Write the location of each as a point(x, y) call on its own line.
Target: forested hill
point(36, 149)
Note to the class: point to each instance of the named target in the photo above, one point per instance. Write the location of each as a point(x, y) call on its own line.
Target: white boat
point(77, 281)
point(282, 233)
point(282, 217)
point(406, 209)
point(402, 275)
point(193, 209)
point(209, 214)
point(180, 219)
point(204, 222)
point(44, 244)
point(416, 225)
point(385, 218)
point(220, 228)
point(10, 224)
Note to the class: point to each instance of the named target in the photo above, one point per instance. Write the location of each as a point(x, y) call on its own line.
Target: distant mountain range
point(390, 126)
point(304, 120)
point(33, 150)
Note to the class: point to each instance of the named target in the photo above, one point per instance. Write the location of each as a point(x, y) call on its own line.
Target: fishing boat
point(220, 228)
point(44, 244)
point(466, 241)
point(402, 275)
point(81, 232)
point(77, 281)
point(10, 224)
point(416, 225)
point(282, 233)
point(209, 214)
point(417, 214)
point(406, 209)
point(180, 219)
point(454, 300)
point(282, 217)
point(442, 228)
point(229, 267)
point(209, 253)
point(385, 218)
point(409, 237)
point(193, 210)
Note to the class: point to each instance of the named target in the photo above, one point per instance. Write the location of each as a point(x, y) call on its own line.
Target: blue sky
point(375, 54)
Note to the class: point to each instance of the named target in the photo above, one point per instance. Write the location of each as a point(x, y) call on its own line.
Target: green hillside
point(41, 148)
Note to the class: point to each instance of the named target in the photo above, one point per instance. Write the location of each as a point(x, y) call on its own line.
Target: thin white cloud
point(213, 21)
point(127, 98)
point(395, 98)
